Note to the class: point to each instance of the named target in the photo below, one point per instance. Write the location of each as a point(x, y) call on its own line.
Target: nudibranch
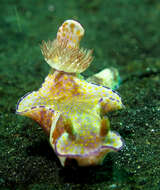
point(71, 110)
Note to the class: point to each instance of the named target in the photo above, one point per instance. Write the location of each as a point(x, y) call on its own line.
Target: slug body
point(70, 110)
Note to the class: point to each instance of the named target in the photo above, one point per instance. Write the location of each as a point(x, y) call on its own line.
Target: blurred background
point(124, 34)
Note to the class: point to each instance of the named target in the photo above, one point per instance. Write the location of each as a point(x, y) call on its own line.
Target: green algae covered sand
point(124, 35)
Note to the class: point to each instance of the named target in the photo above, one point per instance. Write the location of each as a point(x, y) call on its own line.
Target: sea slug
point(71, 110)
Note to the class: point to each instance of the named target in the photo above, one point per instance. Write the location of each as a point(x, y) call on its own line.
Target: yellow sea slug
point(71, 110)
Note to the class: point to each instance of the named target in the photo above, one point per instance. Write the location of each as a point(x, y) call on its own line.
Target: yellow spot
point(65, 24)
point(72, 25)
point(115, 144)
point(74, 40)
point(55, 59)
point(82, 151)
point(63, 34)
point(78, 32)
